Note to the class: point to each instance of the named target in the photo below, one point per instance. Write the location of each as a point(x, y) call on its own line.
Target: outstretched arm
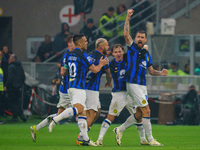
point(153, 72)
point(127, 36)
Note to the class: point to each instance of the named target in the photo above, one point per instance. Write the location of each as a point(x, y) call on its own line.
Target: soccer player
point(64, 100)
point(120, 98)
point(93, 83)
point(77, 63)
point(139, 61)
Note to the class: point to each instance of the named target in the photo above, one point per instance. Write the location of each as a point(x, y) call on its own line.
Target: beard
point(105, 52)
point(140, 44)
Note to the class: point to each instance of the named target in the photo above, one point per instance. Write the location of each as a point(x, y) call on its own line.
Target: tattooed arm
point(127, 36)
point(153, 72)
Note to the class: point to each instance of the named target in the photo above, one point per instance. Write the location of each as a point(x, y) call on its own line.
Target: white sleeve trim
point(129, 44)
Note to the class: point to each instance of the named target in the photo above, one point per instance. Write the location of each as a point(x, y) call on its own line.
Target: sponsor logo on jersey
point(143, 64)
point(122, 74)
point(70, 79)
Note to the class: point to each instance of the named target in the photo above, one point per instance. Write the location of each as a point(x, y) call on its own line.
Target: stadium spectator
point(45, 50)
point(91, 36)
point(6, 55)
point(13, 86)
point(120, 23)
point(197, 70)
point(191, 107)
point(59, 43)
point(174, 70)
point(187, 69)
point(139, 16)
point(184, 45)
point(107, 17)
point(2, 95)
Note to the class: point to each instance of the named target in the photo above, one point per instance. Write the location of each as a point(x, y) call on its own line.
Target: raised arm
point(127, 36)
point(153, 72)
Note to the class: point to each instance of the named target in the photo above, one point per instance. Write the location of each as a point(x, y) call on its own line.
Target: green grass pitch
point(17, 137)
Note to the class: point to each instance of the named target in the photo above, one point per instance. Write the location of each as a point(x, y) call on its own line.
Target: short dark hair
point(174, 63)
point(69, 39)
point(117, 46)
point(47, 36)
point(111, 8)
point(77, 37)
point(90, 20)
point(142, 32)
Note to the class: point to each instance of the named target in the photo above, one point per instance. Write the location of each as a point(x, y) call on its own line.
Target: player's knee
point(147, 113)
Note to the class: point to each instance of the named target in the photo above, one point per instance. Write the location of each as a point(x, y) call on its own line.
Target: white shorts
point(138, 94)
point(119, 101)
point(64, 101)
point(92, 100)
point(77, 96)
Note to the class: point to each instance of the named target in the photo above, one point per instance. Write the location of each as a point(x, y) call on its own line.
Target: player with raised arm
point(120, 98)
point(77, 63)
point(139, 61)
point(64, 100)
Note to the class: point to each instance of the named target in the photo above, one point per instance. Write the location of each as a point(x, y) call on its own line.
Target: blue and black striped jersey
point(138, 61)
point(93, 79)
point(117, 70)
point(78, 62)
point(65, 79)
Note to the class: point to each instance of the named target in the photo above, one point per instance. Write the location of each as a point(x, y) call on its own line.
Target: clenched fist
point(130, 12)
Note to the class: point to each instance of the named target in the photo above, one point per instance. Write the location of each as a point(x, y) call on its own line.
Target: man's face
point(173, 67)
point(118, 54)
point(47, 39)
point(90, 25)
point(110, 13)
point(83, 43)
point(65, 27)
point(5, 49)
point(140, 39)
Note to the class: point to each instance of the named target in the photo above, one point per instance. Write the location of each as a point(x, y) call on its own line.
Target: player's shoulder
point(112, 63)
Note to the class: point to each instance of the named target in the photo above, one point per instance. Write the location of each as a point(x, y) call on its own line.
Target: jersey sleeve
point(64, 59)
point(132, 46)
point(149, 60)
point(86, 60)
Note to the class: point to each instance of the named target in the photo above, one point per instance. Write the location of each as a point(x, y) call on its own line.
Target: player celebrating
point(93, 82)
point(120, 99)
point(64, 101)
point(77, 62)
point(139, 60)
